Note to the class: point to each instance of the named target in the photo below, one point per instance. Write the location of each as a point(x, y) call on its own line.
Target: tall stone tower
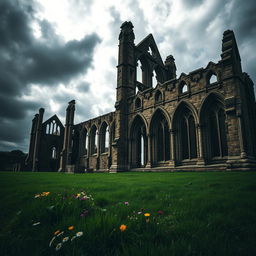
point(126, 71)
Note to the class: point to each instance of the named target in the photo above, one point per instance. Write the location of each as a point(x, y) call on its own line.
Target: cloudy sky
point(54, 51)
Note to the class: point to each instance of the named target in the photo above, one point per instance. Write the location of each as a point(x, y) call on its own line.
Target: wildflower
point(126, 203)
point(58, 246)
point(61, 233)
point(147, 214)
point(37, 195)
point(78, 195)
point(80, 233)
point(36, 223)
point(123, 227)
point(45, 193)
point(52, 240)
point(73, 237)
point(139, 213)
point(56, 232)
point(70, 227)
point(160, 212)
point(65, 239)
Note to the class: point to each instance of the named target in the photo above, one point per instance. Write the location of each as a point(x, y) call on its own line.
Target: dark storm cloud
point(25, 59)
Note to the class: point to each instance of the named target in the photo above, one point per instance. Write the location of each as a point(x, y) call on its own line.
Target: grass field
point(190, 214)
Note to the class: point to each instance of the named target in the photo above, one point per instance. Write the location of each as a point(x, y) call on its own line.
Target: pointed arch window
point(158, 96)
point(212, 79)
point(185, 134)
point(138, 143)
point(104, 138)
point(213, 119)
point(94, 140)
point(139, 72)
point(138, 103)
point(154, 79)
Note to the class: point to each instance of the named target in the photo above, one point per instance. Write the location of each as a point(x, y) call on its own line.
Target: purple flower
point(126, 203)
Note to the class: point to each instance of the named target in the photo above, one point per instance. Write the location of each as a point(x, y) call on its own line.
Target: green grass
point(203, 213)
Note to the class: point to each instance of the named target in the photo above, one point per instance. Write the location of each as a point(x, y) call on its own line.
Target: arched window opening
point(136, 90)
point(185, 134)
point(213, 120)
point(213, 79)
point(160, 138)
point(94, 140)
point(138, 103)
point(86, 142)
point(47, 130)
point(138, 143)
point(139, 72)
point(54, 153)
point(58, 131)
point(158, 96)
point(184, 88)
point(154, 79)
point(104, 138)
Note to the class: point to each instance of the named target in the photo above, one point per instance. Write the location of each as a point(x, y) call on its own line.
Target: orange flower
point(56, 232)
point(71, 228)
point(123, 227)
point(147, 214)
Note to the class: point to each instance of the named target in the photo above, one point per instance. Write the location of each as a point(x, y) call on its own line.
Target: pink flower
point(126, 203)
point(160, 212)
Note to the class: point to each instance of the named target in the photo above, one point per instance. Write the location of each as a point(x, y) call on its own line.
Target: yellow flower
point(45, 193)
point(123, 227)
point(147, 214)
point(56, 232)
point(78, 195)
point(71, 228)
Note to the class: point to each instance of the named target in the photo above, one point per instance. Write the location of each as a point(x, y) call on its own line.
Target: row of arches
point(186, 137)
point(95, 141)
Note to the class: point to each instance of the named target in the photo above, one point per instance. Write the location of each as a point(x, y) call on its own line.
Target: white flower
point(58, 246)
point(50, 244)
point(80, 233)
point(36, 223)
point(61, 233)
point(73, 237)
point(65, 239)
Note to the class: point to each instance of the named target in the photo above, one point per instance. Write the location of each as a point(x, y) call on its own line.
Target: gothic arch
point(84, 137)
point(165, 113)
point(93, 140)
point(159, 132)
point(184, 125)
point(213, 123)
point(211, 74)
point(138, 142)
point(104, 137)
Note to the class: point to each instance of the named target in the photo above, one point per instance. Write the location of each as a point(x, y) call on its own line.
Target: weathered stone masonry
point(204, 120)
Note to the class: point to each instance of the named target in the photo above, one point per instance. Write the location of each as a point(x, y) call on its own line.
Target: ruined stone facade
point(204, 120)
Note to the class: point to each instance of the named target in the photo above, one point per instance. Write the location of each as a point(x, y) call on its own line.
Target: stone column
point(200, 158)
point(172, 148)
point(149, 164)
point(67, 150)
point(241, 138)
point(37, 140)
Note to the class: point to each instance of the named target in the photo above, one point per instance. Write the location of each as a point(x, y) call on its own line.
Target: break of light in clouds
point(55, 51)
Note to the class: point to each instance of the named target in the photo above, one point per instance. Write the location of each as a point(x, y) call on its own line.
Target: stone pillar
point(172, 148)
point(241, 138)
point(149, 164)
point(67, 150)
point(29, 159)
point(200, 158)
point(37, 140)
